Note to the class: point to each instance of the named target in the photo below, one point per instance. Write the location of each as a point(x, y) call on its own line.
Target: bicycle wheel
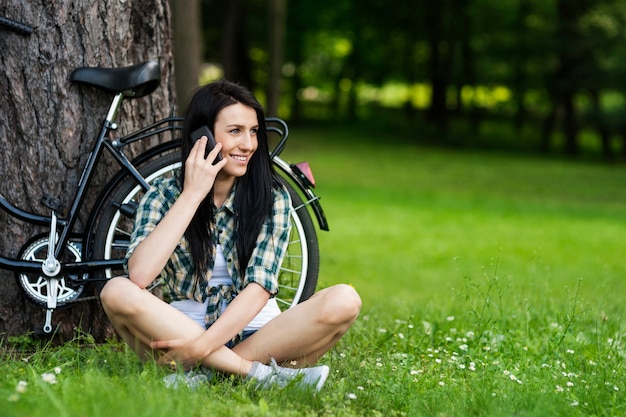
point(298, 274)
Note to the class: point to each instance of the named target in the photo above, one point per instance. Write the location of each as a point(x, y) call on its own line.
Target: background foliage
point(553, 71)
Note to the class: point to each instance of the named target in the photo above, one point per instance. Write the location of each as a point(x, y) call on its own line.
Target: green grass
point(493, 285)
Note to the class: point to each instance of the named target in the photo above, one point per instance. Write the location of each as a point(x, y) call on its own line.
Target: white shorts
point(196, 311)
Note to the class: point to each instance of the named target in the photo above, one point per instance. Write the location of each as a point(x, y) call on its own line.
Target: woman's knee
point(342, 304)
point(115, 292)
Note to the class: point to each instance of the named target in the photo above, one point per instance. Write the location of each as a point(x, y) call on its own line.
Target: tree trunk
point(47, 124)
point(439, 67)
point(188, 46)
point(234, 45)
point(600, 123)
point(295, 54)
point(277, 15)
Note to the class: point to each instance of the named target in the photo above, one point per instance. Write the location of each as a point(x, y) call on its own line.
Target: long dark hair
point(253, 194)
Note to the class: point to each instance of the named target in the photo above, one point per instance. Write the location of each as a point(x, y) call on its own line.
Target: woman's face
point(236, 129)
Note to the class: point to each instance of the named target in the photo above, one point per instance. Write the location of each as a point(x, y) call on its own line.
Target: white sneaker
point(192, 379)
point(306, 377)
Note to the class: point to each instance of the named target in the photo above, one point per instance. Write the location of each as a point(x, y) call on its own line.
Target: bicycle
point(53, 269)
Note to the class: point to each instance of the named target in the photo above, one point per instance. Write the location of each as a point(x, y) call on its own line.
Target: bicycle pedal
point(52, 203)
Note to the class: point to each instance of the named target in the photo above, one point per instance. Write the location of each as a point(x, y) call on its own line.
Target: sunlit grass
point(492, 284)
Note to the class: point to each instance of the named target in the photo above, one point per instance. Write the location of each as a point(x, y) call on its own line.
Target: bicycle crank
point(45, 291)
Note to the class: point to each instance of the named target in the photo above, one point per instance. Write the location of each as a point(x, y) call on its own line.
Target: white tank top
point(220, 276)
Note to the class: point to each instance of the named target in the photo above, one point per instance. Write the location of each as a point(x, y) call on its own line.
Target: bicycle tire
point(299, 271)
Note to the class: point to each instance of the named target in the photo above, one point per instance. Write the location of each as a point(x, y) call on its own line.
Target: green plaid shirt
point(178, 273)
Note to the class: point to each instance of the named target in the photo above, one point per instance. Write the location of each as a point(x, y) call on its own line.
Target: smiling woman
point(217, 235)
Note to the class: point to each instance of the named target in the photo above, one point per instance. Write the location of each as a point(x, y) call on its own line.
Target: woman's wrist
point(190, 197)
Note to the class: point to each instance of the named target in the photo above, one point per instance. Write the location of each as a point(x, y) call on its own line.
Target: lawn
point(493, 284)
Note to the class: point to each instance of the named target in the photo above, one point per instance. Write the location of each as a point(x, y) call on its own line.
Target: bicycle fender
point(310, 199)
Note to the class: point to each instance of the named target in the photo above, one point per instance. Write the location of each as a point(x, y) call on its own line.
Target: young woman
point(217, 236)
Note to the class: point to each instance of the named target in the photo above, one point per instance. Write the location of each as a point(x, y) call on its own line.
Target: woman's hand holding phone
point(204, 131)
point(202, 165)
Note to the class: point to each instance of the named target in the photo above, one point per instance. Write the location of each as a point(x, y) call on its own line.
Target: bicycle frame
point(67, 224)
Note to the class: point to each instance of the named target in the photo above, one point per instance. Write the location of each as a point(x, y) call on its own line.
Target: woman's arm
point(151, 255)
point(189, 352)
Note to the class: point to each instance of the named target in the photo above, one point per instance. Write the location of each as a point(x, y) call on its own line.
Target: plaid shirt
point(178, 273)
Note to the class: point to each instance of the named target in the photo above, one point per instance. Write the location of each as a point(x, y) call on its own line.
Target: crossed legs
point(303, 333)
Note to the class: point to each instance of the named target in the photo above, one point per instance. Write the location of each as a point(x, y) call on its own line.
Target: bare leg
point(307, 331)
point(140, 318)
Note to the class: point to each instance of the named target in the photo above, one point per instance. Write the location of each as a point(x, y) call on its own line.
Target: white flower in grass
point(512, 377)
point(450, 318)
point(570, 351)
point(472, 366)
point(464, 347)
point(48, 377)
point(21, 387)
point(57, 370)
point(352, 396)
point(559, 388)
point(615, 388)
point(574, 403)
point(382, 330)
point(360, 388)
point(441, 383)
point(400, 335)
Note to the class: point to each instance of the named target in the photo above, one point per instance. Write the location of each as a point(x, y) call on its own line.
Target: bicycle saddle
point(134, 81)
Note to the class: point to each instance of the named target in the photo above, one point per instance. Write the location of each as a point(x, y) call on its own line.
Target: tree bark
point(47, 125)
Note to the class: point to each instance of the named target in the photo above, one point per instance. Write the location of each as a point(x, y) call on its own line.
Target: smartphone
point(205, 131)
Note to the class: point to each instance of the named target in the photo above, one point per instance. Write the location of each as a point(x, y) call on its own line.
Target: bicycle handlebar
point(15, 26)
